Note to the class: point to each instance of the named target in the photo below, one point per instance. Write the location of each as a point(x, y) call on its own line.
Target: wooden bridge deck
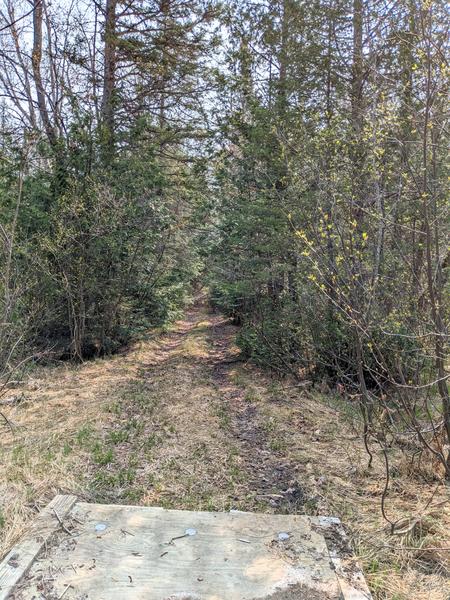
point(80, 551)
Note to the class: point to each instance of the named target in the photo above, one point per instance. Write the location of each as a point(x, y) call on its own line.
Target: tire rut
point(270, 476)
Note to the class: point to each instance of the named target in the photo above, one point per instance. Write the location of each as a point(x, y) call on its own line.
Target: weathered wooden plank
point(144, 553)
point(18, 561)
point(349, 574)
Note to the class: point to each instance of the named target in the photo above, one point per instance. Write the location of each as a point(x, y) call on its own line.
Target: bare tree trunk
point(357, 68)
point(328, 192)
point(357, 214)
point(36, 60)
point(164, 7)
point(29, 114)
point(109, 80)
point(276, 283)
point(434, 286)
point(357, 148)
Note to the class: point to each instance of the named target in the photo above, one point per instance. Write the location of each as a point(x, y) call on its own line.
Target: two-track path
point(180, 420)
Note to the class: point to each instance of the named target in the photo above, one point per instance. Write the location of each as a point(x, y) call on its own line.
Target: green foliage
point(104, 253)
point(102, 456)
point(318, 252)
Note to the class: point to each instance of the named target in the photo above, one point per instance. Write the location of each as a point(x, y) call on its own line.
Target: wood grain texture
point(348, 572)
point(117, 552)
point(18, 561)
point(124, 553)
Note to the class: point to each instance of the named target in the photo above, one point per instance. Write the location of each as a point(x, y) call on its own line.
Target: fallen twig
point(64, 592)
point(61, 523)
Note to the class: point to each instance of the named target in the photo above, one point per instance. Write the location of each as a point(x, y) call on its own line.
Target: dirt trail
point(179, 420)
point(211, 432)
point(271, 476)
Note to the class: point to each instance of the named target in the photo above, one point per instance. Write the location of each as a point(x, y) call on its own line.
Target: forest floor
point(179, 421)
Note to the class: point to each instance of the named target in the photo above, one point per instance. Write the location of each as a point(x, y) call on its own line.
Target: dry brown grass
point(36, 463)
point(333, 462)
point(175, 422)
